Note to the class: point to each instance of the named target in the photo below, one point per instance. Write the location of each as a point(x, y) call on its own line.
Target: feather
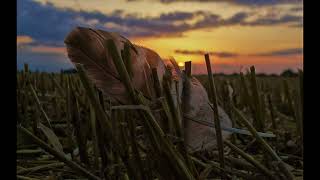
point(88, 47)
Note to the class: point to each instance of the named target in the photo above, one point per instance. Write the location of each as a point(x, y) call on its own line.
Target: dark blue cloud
point(176, 16)
point(49, 25)
point(209, 20)
point(265, 21)
point(42, 23)
point(237, 18)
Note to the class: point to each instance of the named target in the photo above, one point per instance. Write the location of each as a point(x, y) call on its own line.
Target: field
point(66, 129)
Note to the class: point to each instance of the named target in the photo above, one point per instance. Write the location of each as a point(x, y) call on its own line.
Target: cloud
point(238, 17)
point(263, 2)
point(265, 21)
point(241, 18)
point(236, 2)
point(225, 54)
point(283, 52)
point(48, 25)
point(297, 9)
point(199, 52)
point(175, 16)
point(21, 40)
point(48, 49)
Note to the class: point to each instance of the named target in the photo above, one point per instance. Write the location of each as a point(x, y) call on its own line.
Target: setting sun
point(181, 64)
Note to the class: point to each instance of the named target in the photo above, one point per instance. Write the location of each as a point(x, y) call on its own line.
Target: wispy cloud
point(236, 2)
point(199, 52)
point(21, 40)
point(265, 21)
point(226, 54)
point(283, 52)
point(48, 49)
point(175, 16)
point(296, 9)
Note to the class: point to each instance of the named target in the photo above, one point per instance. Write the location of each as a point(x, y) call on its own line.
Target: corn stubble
point(67, 130)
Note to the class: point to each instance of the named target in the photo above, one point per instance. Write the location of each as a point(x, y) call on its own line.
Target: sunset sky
point(237, 33)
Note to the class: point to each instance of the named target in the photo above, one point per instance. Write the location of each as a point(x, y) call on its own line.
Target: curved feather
point(87, 46)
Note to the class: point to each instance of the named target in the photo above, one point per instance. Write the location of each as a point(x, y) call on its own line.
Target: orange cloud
point(270, 64)
point(48, 49)
point(24, 40)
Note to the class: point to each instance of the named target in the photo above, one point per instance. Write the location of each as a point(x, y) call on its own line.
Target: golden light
point(181, 64)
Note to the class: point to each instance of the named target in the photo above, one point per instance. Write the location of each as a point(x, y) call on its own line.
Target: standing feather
point(88, 47)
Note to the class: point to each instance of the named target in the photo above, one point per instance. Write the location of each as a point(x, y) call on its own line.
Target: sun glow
point(181, 64)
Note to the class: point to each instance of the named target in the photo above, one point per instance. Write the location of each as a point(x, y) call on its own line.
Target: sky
point(267, 34)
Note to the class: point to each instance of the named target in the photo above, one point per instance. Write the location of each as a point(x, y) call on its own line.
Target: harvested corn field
point(68, 129)
point(160, 90)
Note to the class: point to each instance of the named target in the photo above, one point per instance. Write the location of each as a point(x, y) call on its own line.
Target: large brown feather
point(87, 46)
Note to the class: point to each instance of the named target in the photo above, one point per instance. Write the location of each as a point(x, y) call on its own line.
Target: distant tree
point(219, 74)
point(273, 75)
point(289, 73)
point(69, 71)
point(234, 74)
point(262, 75)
